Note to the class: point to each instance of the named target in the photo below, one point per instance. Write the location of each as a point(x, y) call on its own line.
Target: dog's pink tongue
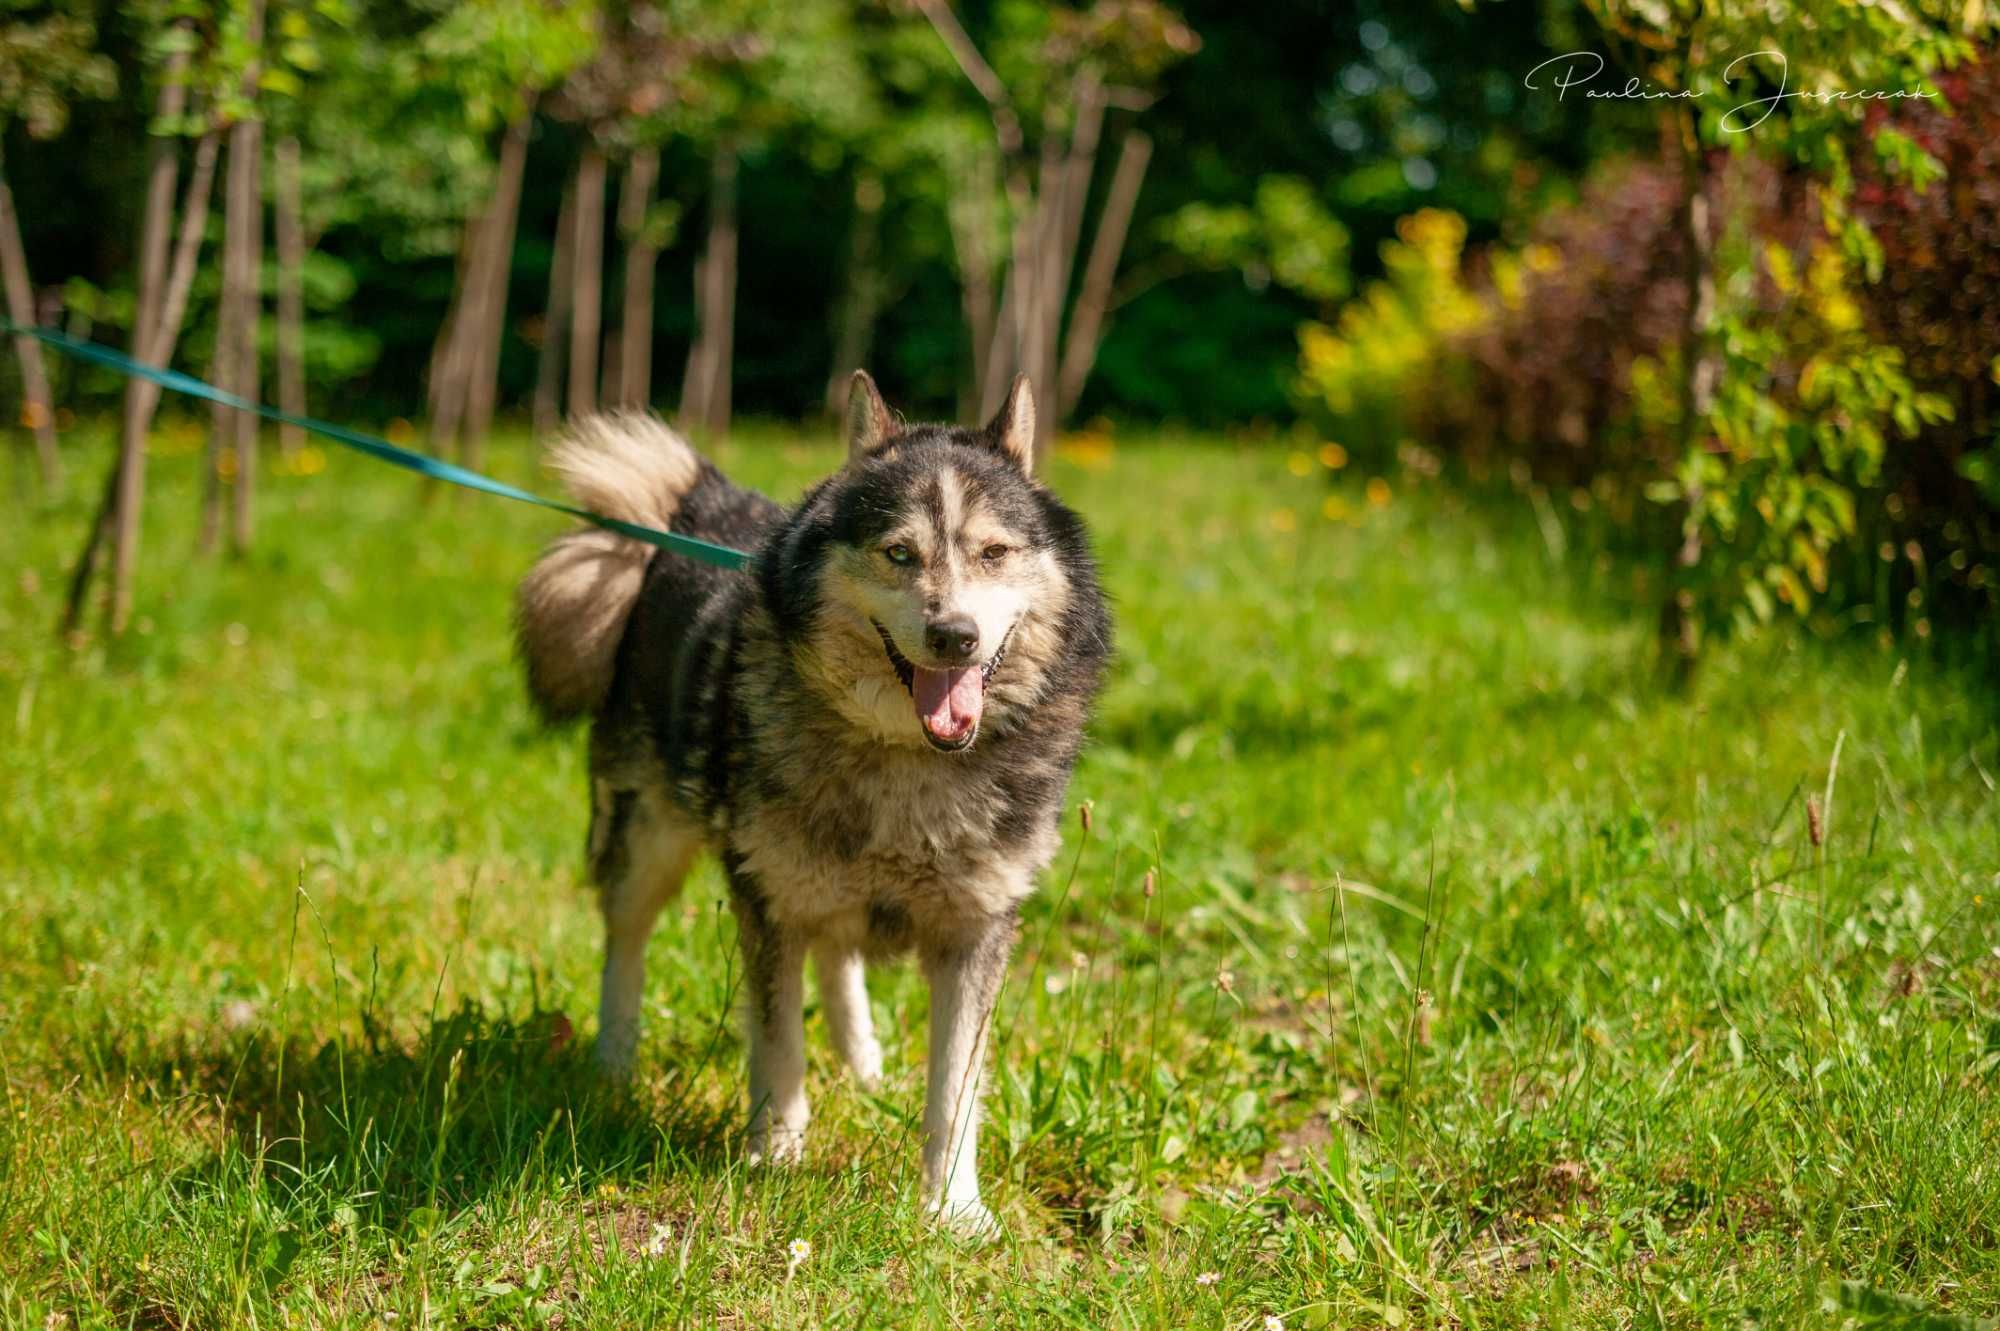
point(948, 701)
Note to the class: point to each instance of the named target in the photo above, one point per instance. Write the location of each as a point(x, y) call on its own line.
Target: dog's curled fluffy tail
point(571, 609)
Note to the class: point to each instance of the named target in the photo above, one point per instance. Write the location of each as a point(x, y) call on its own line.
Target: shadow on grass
point(1254, 721)
point(422, 1129)
point(1264, 721)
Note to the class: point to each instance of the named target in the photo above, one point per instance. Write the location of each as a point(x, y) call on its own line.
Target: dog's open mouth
point(950, 701)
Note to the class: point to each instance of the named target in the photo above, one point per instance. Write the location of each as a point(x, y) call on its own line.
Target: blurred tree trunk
point(970, 213)
point(1026, 338)
point(233, 434)
point(1033, 314)
point(465, 359)
point(1046, 227)
point(96, 538)
point(705, 388)
point(37, 405)
point(611, 354)
point(445, 394)
point(1063, 200)
point(861, 292)
point(1041, 307)
point(142, 396)
point(555, 320)
point(586, 282)
point(1701, 370)
point(1093, 301)
point(1004, 345)
point(490, 323)
point(155, 224)
point(1078, 166)
point(642, 254)
point(249, 318)
point(224, 365)
point(1003, 359)
point(693, 373)
point(1045, 254)
point(291, 237)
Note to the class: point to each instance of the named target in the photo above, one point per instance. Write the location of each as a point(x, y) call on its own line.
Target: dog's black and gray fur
point(872, 727)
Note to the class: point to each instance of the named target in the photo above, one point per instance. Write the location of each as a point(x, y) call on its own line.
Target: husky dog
point(872, 727)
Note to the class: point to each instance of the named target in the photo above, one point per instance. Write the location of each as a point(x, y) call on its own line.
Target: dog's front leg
point(843, 991)
point(774, 979)
point(965, 983)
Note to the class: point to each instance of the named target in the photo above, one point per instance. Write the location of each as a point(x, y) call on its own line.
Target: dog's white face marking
point(947, 555)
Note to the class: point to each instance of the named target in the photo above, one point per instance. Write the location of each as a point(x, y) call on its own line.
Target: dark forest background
point(1339, 95)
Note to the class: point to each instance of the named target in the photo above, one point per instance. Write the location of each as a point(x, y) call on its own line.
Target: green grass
point(1483, 983)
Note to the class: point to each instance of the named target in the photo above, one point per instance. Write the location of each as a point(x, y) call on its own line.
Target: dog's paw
point(613, 1058)
point(967, 1220)
point(777, 1146)
point(867, 1071)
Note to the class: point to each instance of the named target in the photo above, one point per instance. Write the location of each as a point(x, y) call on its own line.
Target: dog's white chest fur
point(899, 831)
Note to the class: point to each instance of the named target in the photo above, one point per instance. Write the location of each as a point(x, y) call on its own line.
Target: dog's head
point(930, 588)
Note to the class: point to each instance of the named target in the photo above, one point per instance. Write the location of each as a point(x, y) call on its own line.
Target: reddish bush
point(1553, 370)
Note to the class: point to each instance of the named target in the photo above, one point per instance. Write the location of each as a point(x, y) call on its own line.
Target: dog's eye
point(899, 554)
point(993, 554)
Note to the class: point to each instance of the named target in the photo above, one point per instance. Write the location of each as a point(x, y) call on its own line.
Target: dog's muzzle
point(949, 701)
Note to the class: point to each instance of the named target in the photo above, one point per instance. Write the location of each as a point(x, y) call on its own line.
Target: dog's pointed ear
point(868, 420)
point(1013, 430)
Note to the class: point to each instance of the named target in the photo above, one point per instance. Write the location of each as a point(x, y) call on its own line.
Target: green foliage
point(1569, 361)
point(385, 150)
point(697, 69)
point(1809, 401)
point(234, 51)
point(297, 47)
point(1390, 347)
point(47, 61)
point(1735, 57)
point(1773, 496)
point(1774, 469)
point(1286, 236)
point(496, 55)
point(336, 349)
point(397, 104)
point(806, 72)
point(1040, 50)
point(1983, 470)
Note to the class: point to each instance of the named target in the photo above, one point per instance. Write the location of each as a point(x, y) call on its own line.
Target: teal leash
point(721, 556)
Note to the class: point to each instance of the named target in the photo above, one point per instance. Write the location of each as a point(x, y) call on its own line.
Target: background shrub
point(1845, 470)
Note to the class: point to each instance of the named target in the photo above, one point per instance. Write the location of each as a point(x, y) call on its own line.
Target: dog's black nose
point(953, 638)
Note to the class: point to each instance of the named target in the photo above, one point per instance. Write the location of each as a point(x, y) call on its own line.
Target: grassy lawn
point(1425, 964)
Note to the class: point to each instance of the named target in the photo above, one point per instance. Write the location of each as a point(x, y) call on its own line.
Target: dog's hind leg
point(774, 979)
point(640, 852)
point(844, 991)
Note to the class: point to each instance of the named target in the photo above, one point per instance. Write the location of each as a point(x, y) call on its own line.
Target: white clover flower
point(1207, 1278)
